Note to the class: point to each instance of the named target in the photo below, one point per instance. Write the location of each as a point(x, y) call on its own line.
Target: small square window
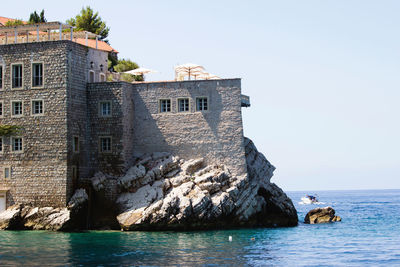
point(37, 74)
point(37, 107)
point(16, 108)
point(201, 103)
point(17, 76)
point(16, 144)
point(105, 109)
point(6, 172)
point(105, 144)
point(183, 104)
point(165, 105)
point(75, 144)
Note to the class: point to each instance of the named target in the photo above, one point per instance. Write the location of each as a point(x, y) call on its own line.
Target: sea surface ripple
point(368, 235)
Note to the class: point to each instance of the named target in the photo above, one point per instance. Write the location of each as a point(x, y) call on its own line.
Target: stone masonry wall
point(216, 134)
point(128, 121)
point(77, 115)
point(106, 126)
point(39, 172)
point(137, 127)
point(42, 174)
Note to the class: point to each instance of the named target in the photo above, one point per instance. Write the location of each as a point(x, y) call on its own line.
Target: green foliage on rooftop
point(37, 18)
point(14, 22)
point(88, 20)
point(126, 65)
point(7, 130)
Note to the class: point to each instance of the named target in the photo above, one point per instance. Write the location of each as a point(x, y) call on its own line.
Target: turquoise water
point(368, 235)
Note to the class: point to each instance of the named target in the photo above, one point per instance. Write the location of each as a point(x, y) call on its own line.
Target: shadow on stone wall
point(215, 105)
point(113, 162)
point(146, 128)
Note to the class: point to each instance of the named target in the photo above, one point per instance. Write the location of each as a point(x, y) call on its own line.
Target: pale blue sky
point(323, 76)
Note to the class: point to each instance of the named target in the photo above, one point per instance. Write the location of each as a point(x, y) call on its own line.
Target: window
point(91, 76)
point(165, 105)
point(16, 108)
point(75, 144)
point(74, 171)
point(6, 172)
point(201, 103)
point(37, 107)
point(1, 77)
point(16, 144)
point(102, 77)
point(1, 109)
point(1, 145)
point(105, 144)
point(17, 76)
point(37, 74)
point(105, 108)
point(183, 104)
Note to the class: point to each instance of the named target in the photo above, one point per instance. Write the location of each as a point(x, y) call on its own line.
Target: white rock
point(191, 166)
point(80, 196)
point(134, 173)
point(98, 181)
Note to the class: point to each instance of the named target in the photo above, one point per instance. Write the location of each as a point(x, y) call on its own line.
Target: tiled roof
point(92, 43)
point(4, 20)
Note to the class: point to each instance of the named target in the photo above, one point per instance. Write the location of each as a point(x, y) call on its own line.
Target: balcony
point(245, 101)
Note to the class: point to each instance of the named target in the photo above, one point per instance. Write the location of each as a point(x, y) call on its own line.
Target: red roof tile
point(92, 44)
point(4, 20)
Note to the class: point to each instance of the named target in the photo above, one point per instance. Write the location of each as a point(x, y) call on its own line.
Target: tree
point(89, 21)
point(36, 18)
point(125, 65)
point(14, 22)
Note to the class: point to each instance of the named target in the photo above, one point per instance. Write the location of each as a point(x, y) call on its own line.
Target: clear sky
point(322, 76)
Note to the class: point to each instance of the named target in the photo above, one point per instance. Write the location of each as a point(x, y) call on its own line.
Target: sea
point(368, 235)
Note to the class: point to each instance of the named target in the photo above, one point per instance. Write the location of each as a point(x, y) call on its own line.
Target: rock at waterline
point(26, 217)
point(321, 215)
point(165, 192)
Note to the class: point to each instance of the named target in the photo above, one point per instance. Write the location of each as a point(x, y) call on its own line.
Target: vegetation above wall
point(126, 65)
point(88, 20)
point(14, 22)
point(37, 18)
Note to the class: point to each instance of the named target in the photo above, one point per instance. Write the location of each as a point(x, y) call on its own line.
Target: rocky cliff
point(26, 217)
point(164, 192)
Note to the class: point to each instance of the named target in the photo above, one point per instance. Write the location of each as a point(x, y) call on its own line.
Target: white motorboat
point(308, 200)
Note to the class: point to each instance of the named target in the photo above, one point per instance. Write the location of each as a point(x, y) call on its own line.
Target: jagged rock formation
point(57, 219)
point(164, 192)
point(321, 215)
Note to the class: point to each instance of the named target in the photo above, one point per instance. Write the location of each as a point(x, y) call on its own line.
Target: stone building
point(74, 123)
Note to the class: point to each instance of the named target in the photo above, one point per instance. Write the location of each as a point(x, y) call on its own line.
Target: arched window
point(102, 77)
point(91, 76)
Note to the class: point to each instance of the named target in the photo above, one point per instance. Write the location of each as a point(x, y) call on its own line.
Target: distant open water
point(368, 235)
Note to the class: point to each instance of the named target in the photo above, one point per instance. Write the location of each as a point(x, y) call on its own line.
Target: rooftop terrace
point(50, 31)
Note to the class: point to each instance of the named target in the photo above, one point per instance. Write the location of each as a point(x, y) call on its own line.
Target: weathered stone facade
point(215, 134)
point(38, 173)
point(41, 174)
point(51, 164)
